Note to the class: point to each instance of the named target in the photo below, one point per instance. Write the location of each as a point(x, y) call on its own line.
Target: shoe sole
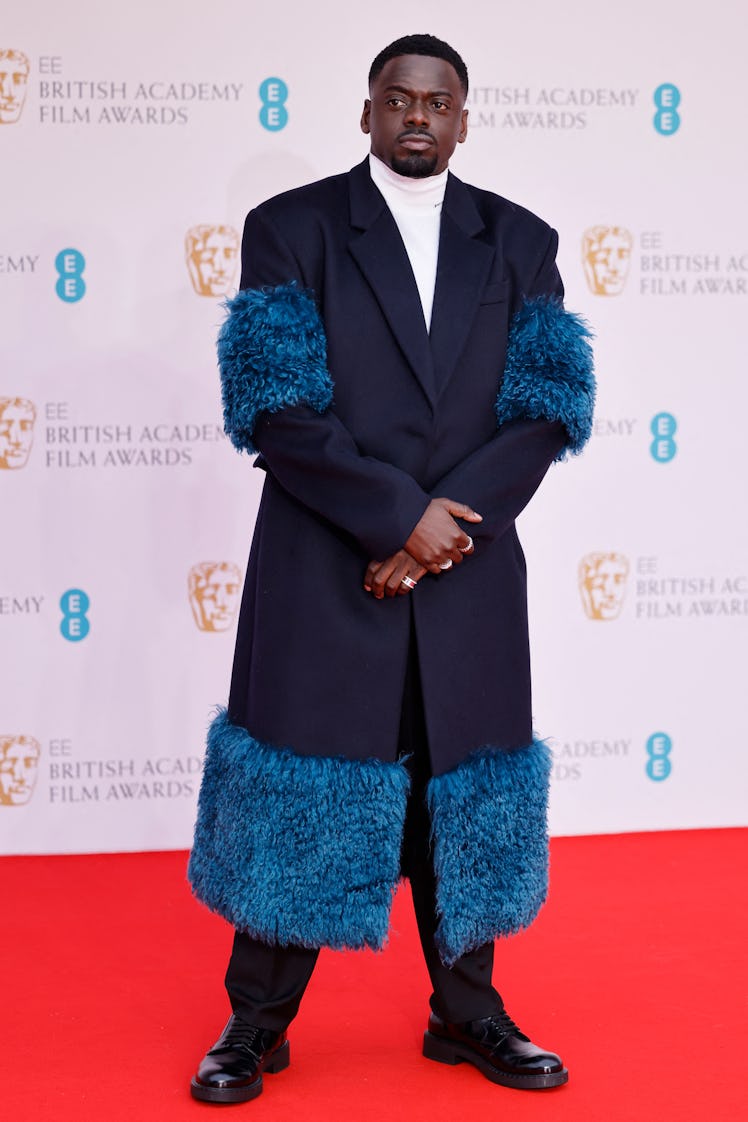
point(450, 1052)
point(276, 1062)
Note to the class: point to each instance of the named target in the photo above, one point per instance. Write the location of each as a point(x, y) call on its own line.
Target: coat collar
point(381, 256)
point(462, 270)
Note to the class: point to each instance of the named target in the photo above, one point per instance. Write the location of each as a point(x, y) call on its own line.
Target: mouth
point(415, 141)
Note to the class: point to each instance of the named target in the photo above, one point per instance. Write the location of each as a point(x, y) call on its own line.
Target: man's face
point(14, 73)
point(16, 432)
point(415, 115)
point(19, 762)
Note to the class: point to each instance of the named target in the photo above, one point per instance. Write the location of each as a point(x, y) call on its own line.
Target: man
point(380, 691)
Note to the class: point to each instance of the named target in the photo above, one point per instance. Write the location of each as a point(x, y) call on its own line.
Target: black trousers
point(266, 983)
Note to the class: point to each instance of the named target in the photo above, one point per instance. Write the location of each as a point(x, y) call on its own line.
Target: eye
point(439, 105)
point(395, 102)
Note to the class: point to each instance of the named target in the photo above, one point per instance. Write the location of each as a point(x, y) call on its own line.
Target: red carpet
point(635, 972)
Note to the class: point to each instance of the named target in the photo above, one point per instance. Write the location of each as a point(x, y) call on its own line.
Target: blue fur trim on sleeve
point(489, 832)
point(549, 371)
point(298, 850)
point(272, 353)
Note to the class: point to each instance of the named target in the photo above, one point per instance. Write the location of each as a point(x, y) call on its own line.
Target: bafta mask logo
point(214, 588)
point(17, 416)
point(14, 77)
point(212, 253)
point(602, 584)
point(19, 764)
point(606, 256)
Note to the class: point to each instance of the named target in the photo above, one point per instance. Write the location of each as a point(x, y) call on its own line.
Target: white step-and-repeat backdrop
point(133, 141)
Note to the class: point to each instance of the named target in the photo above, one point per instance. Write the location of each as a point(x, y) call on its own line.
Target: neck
point(404, 191)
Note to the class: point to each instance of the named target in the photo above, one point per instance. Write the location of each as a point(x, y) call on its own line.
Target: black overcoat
point(320, 663)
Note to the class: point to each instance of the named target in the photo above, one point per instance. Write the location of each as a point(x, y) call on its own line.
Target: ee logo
point(667, 99)
point(74, 605)
point(663, 447)
point(273, 95)
point(70, 286)
point(659, 747)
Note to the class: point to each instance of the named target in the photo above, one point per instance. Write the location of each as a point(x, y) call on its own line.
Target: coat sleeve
point(543, 408)
point(277, 397)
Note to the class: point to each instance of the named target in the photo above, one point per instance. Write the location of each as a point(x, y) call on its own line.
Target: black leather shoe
point(232, 1070)
point(497, 1048)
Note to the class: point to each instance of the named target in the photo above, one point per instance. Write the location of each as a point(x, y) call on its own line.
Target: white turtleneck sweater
point(416, 206)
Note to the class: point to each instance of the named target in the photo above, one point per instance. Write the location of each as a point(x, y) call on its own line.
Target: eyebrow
point(431, 93)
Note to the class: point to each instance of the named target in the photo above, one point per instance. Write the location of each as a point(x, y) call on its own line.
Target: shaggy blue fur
point(490, 839)
point(549, 371)
point(272, 353)
point(297, 849)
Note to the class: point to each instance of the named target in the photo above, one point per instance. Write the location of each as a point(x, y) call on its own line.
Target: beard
point(415, 165)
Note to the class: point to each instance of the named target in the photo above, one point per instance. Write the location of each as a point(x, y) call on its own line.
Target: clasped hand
point(437, 543)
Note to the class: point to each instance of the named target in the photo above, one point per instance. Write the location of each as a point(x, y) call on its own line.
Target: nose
point(417, 113)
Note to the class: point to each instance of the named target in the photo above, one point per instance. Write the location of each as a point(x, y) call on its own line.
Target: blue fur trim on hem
point(549, 371)
point(490, 839)
point(272, 353)
point(297, 849)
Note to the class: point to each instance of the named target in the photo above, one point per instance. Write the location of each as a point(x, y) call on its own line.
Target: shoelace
point(239, 1038)
point(505, 1025)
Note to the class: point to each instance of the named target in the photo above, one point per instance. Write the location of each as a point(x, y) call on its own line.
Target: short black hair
point(427, 45)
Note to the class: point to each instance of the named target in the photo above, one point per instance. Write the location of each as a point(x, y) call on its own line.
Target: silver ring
point(446, 565)
point(408, 582)
point(468, 547)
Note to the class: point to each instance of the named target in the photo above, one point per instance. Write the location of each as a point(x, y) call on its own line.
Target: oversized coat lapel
point(462, 271)
point(381, 256)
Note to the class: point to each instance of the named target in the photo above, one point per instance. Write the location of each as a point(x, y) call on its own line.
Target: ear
point(365, 116)
point(463, 128)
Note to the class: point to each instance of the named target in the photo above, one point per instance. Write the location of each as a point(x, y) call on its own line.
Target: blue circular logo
point(659, 747)
point(667, 99)
point(74, 605)
point(273, 95)
point(663, 427)
point(70, 286)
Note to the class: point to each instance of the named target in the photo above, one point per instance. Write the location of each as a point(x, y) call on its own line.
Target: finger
point(466, 550)
point(382, 575)
point(466, 513)
point(371, 571)
point(394, 583)
point(463, 542)
point(415, 572)
point(407, 585)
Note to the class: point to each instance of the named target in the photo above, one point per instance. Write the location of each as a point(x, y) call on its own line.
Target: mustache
point(420, 134)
